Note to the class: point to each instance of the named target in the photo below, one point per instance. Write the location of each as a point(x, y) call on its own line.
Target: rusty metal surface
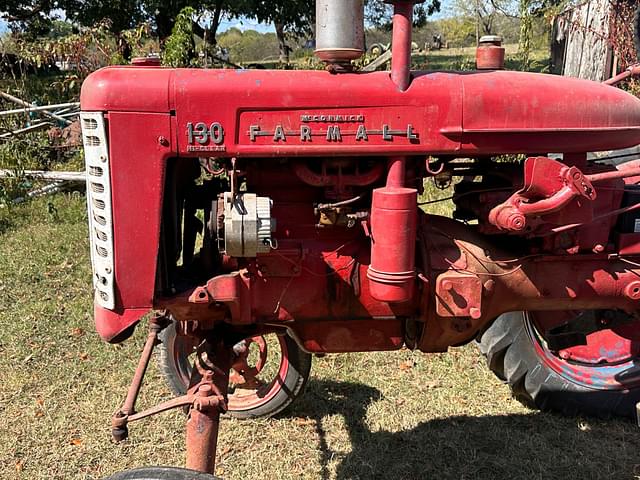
point(156, 324)
point(210, 383)
point(401, 43)
point(490, 53)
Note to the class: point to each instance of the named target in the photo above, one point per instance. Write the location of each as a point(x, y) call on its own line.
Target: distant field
point(400, 415)
point(446, 59)
point(464, 59)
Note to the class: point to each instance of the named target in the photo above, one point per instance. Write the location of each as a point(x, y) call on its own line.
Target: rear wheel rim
point(590, 366)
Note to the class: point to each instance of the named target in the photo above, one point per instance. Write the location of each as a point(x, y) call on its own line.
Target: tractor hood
point(303, 113)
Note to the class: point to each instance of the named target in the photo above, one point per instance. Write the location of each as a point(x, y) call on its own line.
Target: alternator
point(247, 224)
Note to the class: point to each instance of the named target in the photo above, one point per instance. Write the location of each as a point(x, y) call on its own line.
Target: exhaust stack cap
point(490, 53)
point(339, 30)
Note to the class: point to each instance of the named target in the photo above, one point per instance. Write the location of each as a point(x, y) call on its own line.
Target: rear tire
point(161, 473)
point(516, 355)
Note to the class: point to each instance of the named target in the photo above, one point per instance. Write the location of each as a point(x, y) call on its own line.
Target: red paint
point(210, 387)
point(256, 393)
point(451, 112)
point(341, 337)
point(401, 43)
point(490, 55)
point(606, 362)
point(457, 114)
point(393, 232)
point(549, 186)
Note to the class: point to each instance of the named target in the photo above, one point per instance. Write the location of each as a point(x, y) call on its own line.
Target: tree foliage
point(484, 14)
point(289, 17)
point(179, 48)
point(379, 14)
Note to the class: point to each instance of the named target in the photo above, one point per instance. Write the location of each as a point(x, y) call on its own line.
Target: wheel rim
point(256, 375)
point(609, 361)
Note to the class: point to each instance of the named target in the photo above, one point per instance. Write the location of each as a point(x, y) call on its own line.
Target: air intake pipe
point(394, 215)
point(401, 42)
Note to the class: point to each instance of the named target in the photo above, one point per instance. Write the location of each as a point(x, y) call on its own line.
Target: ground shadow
point(534, 446)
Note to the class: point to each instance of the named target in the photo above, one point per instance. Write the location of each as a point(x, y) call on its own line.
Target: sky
point(242, 24)
point(247, 24)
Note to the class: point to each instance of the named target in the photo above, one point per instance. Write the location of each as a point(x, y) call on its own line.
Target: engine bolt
point(633, 290)
point(565, 355)
point(205, 390)
point(489, 285)
point(447, 285)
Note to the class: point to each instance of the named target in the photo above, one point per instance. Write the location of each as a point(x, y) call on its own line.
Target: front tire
point(161, 473)
point(281, 382)
point(541, 379)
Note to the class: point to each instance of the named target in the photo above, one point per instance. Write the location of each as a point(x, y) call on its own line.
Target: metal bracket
point(574, 332)
point(203, 397)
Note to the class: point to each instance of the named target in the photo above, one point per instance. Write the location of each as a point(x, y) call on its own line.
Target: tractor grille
point(96, 154)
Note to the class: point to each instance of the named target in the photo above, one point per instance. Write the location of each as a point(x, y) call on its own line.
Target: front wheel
point(161, 473)
point(268, 373)
point(601, 378)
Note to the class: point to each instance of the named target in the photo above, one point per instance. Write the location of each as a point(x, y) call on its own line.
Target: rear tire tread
point(512, 356)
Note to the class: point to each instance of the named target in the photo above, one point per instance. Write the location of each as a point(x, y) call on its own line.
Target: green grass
point(363, 415)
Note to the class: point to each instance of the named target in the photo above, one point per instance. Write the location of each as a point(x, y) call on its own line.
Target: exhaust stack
point(340, 36)
point(339, 31)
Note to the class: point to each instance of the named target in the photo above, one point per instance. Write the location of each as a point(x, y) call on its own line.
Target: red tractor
point(306, 188)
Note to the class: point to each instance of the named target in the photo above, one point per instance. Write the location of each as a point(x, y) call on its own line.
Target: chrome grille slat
point(97, 162)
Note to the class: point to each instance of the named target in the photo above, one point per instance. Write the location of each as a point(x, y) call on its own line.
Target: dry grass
point(363, 416)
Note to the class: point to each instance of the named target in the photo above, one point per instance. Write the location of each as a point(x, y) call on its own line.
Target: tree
point(379, 14)
point(28, 16)
point(117, 16)
point(34, 18)
point(289, 17)
point(484, 13)
point(527, 11)
point(207, 16)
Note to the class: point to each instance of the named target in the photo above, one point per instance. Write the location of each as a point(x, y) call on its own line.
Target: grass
point(464, 59)
point(401, 415)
